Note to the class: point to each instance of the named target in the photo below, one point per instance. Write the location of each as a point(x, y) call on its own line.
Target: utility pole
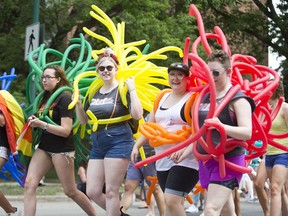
point(36, 11)
point(35, 20)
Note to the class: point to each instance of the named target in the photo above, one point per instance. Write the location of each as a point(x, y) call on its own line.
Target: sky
point(273, 58)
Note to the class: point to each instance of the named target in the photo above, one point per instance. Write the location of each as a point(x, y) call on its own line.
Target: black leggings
point(178, 180)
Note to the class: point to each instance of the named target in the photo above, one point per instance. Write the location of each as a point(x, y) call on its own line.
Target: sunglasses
point(102, 68)
point(215, 73)
point(179, 76)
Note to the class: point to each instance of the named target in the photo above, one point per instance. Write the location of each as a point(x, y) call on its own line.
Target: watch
point(46, 127)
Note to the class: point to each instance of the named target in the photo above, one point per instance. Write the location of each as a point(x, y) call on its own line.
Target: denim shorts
point(278, 159)
point(141, 173)
point(114, 142)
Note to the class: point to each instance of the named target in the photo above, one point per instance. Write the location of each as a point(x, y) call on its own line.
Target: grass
point(14, 189)
point(52, 187)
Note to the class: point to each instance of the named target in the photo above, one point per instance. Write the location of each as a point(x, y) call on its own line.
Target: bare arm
point(82, 116)
point(243, 113)
point(2, 120)
point(136, 107)
point(141, 141)
point(82, 174)
point(62, 130)
point(284, 112)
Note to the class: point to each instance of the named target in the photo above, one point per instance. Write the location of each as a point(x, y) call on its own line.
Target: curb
point(53, 198)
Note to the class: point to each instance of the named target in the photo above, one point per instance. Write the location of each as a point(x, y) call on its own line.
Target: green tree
point(256, 22)
point(161, 23)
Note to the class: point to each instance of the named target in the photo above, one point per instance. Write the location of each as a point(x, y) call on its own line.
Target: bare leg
point(151, 209)
point(259, 183)
point(8, 208)
point(159, 197)
point(175, 204)
point(115, 169)
point(40, 164)
point(129, 190)
point(217, 196)
point(236, 199)
point(277, 176)
point(64, 167)
point(95, 182)
point(229, 207)
point(284, 199)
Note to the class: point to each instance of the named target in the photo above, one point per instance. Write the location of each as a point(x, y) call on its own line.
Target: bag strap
point(114, 107)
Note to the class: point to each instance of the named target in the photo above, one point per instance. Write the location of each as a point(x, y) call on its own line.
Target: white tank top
point(171, 120)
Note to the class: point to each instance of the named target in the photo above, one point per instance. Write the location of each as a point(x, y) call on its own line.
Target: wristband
point(46, 127)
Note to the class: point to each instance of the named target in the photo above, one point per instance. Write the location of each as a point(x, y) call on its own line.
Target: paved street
point(60, 206)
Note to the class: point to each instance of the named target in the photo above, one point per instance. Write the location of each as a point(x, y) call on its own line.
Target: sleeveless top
point(226, 116)
point(279, 126)
point(171, 120)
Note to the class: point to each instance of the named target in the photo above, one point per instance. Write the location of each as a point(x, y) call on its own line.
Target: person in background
point(82, 177)
point(112, 143)
point(178, 173)
point(4, 155)
point(262, 190)
point(56, 147)
point(236, 119)
point(193, 208)
point(276, 160)
point(134, 176)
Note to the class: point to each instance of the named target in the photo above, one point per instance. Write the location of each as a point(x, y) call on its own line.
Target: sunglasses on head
point(102, 68)
point(215, 73)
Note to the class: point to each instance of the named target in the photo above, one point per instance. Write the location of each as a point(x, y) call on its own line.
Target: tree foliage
point(161, 23)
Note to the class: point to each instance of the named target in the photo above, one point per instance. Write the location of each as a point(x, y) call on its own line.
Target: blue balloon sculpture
point(12, 168)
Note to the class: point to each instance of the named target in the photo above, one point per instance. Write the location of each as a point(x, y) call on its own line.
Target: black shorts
point(178, 180)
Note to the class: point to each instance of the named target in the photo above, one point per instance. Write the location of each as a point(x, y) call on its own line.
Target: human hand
point(212, 121)
point(130, 84)
point(176, 157)
point(134, 154)
point(35, 122)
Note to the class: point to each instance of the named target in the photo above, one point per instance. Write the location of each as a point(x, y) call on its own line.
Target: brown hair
point(220, 56)
point(58, 72)
point(279, 92)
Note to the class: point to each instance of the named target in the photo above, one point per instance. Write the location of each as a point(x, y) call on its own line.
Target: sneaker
point(41, 183)
point(16, 213)
point(122, 213)
point(253, 200)
point(192, 209)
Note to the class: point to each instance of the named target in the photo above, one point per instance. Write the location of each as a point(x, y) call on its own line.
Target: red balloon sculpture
point(260, 88)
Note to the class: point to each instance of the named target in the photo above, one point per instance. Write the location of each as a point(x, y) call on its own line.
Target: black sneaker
point(122, 213)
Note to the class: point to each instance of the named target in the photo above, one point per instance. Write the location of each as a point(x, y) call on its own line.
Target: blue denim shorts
point(279, 159)
point(114, 142)
point(141, 173)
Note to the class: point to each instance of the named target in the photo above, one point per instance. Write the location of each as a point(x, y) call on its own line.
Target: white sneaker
point(16, 213)
point(192, 209)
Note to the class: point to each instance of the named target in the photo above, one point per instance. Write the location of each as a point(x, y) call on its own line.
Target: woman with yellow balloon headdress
point(112, 142)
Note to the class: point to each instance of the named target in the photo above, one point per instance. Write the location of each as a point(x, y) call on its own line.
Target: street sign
point(32, 38)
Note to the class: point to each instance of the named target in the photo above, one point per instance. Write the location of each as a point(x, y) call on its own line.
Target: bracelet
point(46, 127)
